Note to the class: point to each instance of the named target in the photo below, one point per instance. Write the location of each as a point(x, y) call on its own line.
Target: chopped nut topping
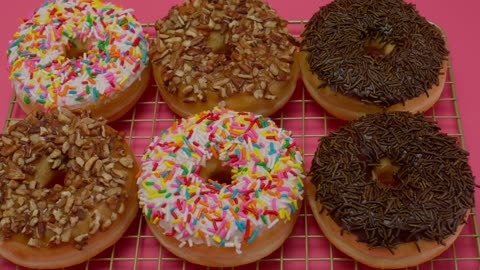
point(75, 155)
point(215, 41)
point(126, 162)
point(66, 236)
point(81, 237)
point(34, 242)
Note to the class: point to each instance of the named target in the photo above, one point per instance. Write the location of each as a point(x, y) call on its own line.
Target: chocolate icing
point(432, 189)
point(335, 38)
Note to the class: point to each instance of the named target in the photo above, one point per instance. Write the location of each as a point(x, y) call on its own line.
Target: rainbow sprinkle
point(265, 188)
point(42, 73)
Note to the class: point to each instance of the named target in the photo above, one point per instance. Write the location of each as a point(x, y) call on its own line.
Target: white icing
point(163, 158)
point(27, 59)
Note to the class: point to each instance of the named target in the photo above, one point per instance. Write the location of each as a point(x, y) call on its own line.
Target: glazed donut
point(222, 188)
point(67, 189)
point(390, 190)
point(84, 55)
point(362, 57)
point(238, 54)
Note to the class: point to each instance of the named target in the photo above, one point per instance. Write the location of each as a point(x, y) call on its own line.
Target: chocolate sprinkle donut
point(339, 38)
point(426, 197)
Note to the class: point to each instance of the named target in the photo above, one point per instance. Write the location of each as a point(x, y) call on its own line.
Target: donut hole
point(76, 49)
point(385, 173)
point(216, 42)
point(46, 177)
point(56, 178)
point(215, 170)
point(375, 47)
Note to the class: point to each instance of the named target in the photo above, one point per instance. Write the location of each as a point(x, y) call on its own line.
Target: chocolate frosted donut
point(379, 54)
point(390, 190)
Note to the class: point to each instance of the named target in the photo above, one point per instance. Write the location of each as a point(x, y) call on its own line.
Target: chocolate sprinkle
point(336, 38)
point(432, 190)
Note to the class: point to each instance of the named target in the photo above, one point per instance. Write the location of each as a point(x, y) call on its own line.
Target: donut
point(360, 57)
point(82, 55)
point(222, 188)
point(67, 189)
point(390, 190)
point(228, 53)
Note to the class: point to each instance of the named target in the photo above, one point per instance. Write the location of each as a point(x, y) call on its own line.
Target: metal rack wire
point(306, 247)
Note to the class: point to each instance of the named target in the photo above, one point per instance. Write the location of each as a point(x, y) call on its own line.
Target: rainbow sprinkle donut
point(76, 53)
point(266, 187)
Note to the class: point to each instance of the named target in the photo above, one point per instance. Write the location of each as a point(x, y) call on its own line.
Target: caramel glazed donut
point(228, 53)
point(360, 57)
point(390, 190)
point(222, 188)
point(67, 189)
point(84, 55)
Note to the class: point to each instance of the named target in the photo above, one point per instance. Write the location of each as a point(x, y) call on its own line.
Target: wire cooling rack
point(306, 247)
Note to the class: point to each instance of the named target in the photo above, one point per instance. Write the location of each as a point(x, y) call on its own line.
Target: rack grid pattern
point(306, 247)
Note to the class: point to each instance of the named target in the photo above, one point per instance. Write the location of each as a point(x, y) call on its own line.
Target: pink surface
point(460, 23)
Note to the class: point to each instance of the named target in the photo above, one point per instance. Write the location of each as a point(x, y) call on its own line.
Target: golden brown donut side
point(283, 90)
point(406, 254)
point(266, 243)
point(349, 108)
point(111, 108)
point(67, 255)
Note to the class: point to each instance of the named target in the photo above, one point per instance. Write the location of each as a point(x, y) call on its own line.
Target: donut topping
point(73, 52)
point(215, 170)
point(206, 46)
point(60, 181)
point(380, 52)
point(77, 49)
point(262, 188)
point(385, 173)
point(393, 178)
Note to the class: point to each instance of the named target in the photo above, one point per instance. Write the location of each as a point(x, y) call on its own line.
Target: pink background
point(460, 21)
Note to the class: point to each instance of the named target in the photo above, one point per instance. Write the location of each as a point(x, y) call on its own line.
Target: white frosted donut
point(79, 54)
point(222, 179)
